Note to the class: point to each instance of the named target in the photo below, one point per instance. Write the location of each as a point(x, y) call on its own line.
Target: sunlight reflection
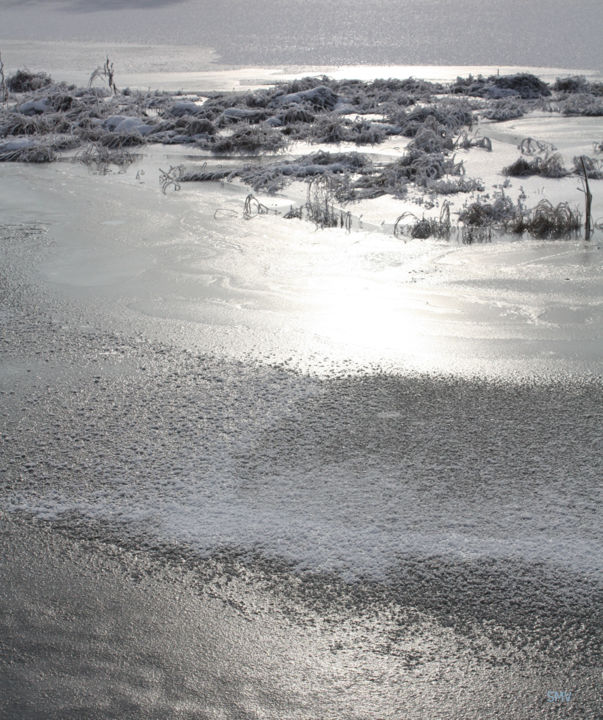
point(376, 317)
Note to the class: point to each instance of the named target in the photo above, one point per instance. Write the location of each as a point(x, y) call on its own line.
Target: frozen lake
point(357, 475)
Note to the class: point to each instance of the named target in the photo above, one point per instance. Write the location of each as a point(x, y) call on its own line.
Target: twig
point(3, 86)
point(170, 177)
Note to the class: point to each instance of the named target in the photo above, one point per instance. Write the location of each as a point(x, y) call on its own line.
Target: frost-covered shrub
point(303, 84)
point(551, 166)
point(483, 213)
point(328, 129)
point(418, 167)
point(525, 85)
point(99, 158)
point(550, 221)
point(592, 166)
point(432, 138)
point(363, 132)
point(237, 114)
point(465, 141)
point(195, 126)
point(577, 84)
point(117, 140)
point(573, 84)
point(275, 176)
point(452, 116)
point(413, 86)
point(29, 150)
point(422, 228)
point(584, 104)
point(25, 81)
point(249, 139)
point(451, 186)
point(501, 110)
point(296, 115)
point(543, 221)
point(317, 98)
point(187, 107)
point(204, 175)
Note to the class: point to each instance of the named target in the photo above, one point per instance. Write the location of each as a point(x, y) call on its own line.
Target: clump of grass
point(424, 168)
point(471, 234)
point(432, 138)
point(572, 84)
point(583, 104)
point(409, 225)
point(526, 85)
point(452, 186)
point(523, 85)
point(190, 125)
point(249, 139)
point(294, 213)
point(553, 221)
point(502, 110)
point(550, 166)
point(28, 151)
point(272, 177)
point(328, 129)
point(465, 141)
point(451, 116)
point(592, 166)
point(16, 124)
point(319, 205)
point(320, 208)
point(202, 174)
point(320, 97)
point(543, 221)
point(99, 158)
point(545, 161)
point(107, 73)
point(498, 213)
point(296, 115)
point(24, 81)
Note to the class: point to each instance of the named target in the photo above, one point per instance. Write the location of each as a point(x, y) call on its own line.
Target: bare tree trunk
point(588, 199)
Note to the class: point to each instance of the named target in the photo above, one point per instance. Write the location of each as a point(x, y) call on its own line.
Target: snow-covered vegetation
point(105, 128)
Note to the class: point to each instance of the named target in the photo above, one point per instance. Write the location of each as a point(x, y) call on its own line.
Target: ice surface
point(247, 467)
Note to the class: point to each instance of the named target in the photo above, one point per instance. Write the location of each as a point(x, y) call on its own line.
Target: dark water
point(551, 33)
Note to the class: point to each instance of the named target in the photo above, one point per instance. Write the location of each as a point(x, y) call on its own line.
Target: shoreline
point(144, 67)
